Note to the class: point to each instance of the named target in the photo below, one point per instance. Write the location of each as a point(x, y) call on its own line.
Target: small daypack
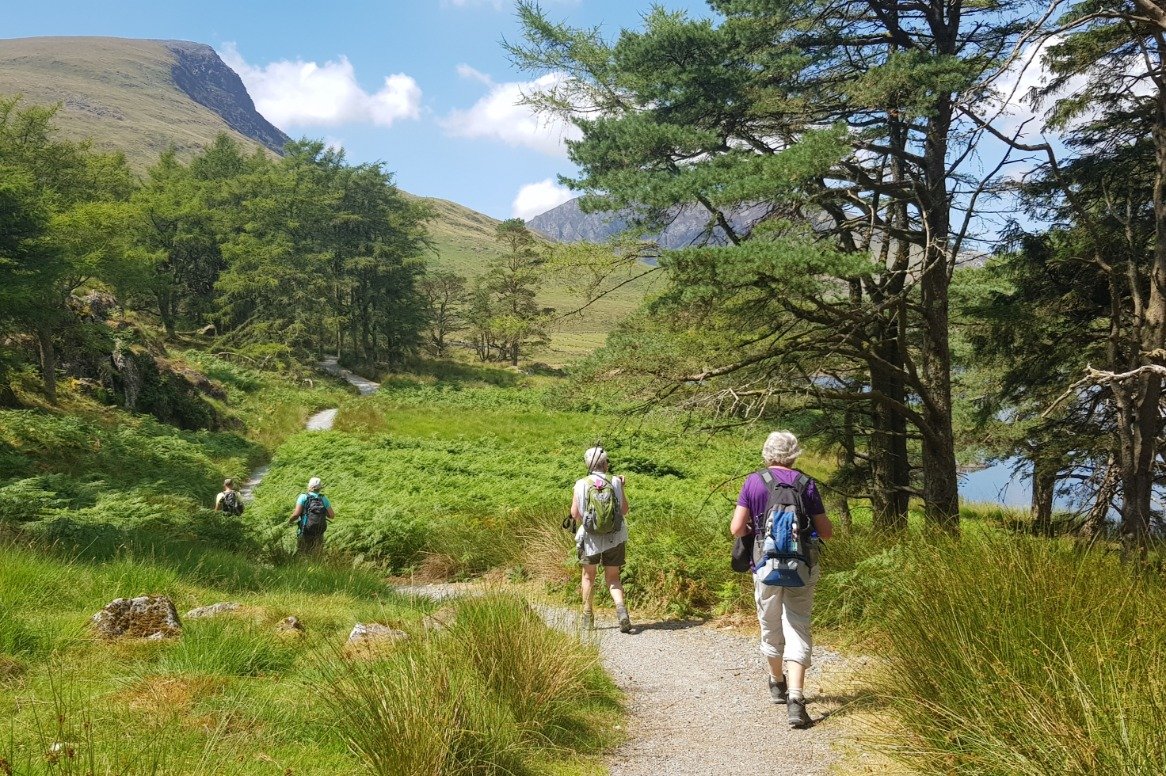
point(232, 504)
point(779, 557)
point(601, 507)
point(314, 520)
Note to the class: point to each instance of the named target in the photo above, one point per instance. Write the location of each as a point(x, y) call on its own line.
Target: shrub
point(417, 713)
point(542, 675)
point(489, 696)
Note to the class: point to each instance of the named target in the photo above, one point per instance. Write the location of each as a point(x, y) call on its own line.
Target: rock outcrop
point(205, 78)
point(145, 617)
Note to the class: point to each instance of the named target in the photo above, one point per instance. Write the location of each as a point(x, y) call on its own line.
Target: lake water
point(997, 484)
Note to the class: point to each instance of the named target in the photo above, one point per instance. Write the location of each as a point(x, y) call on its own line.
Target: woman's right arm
point(740, 525)
point(823, 526)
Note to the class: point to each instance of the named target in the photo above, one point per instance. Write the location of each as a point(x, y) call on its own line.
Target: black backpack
point(314, 519)
point(232, 504)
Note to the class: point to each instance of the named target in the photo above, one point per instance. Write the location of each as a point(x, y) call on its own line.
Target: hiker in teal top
point(312, 514)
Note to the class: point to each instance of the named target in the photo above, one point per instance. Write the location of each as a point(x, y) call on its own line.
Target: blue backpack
point(783, 556)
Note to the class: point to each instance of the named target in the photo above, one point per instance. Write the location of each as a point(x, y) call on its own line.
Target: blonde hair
point(781, 448)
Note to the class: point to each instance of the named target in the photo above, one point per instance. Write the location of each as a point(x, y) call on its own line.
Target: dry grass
point(167, 695)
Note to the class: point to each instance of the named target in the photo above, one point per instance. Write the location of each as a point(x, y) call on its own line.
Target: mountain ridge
point(687, 226)
point(137, 96)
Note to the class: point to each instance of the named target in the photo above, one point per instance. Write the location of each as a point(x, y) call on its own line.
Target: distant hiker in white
point(599, 506)
point(782, 509)
point(229, 501)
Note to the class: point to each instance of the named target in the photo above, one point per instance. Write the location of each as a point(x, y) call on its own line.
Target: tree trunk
point(166, 310)
point(48, 359)
point(1138, 425)
point(888, 446)
point(940, 480)
point(1044, 484)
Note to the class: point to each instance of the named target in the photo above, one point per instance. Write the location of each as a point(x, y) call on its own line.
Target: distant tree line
point(871, 140)
point(305, 252)
point(497, 310)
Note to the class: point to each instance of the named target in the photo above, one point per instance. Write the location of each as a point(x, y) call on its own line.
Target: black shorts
point(610, 557)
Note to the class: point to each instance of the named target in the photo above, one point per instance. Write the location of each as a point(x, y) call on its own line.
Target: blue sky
point(423, 86)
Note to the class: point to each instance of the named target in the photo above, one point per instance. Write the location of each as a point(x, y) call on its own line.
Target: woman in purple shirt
point(783, 612)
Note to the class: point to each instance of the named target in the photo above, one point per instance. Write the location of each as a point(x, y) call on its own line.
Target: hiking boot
point(625, 622)
point(778, 691)
point(588, 620)
point(799, 718)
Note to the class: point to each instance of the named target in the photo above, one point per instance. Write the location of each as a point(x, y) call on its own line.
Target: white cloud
point(1016, 84)
point(536, 198)
point(298, 93)
point(500, 115)
point(473, 74)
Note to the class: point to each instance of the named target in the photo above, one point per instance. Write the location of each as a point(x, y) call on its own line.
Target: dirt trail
point(699, 704)
point(321, 421)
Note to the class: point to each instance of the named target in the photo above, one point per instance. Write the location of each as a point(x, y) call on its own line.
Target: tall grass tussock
point(491, 695)
point(1017, 655)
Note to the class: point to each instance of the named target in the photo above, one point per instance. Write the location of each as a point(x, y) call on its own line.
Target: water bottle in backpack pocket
point(783, 554)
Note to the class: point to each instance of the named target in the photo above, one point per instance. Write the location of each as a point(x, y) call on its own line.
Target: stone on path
point(214, 610)
point(145, 617)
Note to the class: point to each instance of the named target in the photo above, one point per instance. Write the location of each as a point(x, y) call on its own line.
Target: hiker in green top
point(312, 514)
point(598, 506)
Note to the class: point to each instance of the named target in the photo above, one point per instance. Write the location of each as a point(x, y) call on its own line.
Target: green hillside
point(120, 93)
point(465, 243)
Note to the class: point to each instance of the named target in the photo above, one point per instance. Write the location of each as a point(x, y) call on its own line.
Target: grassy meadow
point(102, 504)
point(998, 652)
point(452, 479)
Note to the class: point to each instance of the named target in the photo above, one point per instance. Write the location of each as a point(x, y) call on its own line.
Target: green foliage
point(469, 478)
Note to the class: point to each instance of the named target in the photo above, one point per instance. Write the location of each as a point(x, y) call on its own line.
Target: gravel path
point(698, 703)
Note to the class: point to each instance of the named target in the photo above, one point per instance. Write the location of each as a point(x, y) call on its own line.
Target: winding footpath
point(698, 704)
point(321, 421)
